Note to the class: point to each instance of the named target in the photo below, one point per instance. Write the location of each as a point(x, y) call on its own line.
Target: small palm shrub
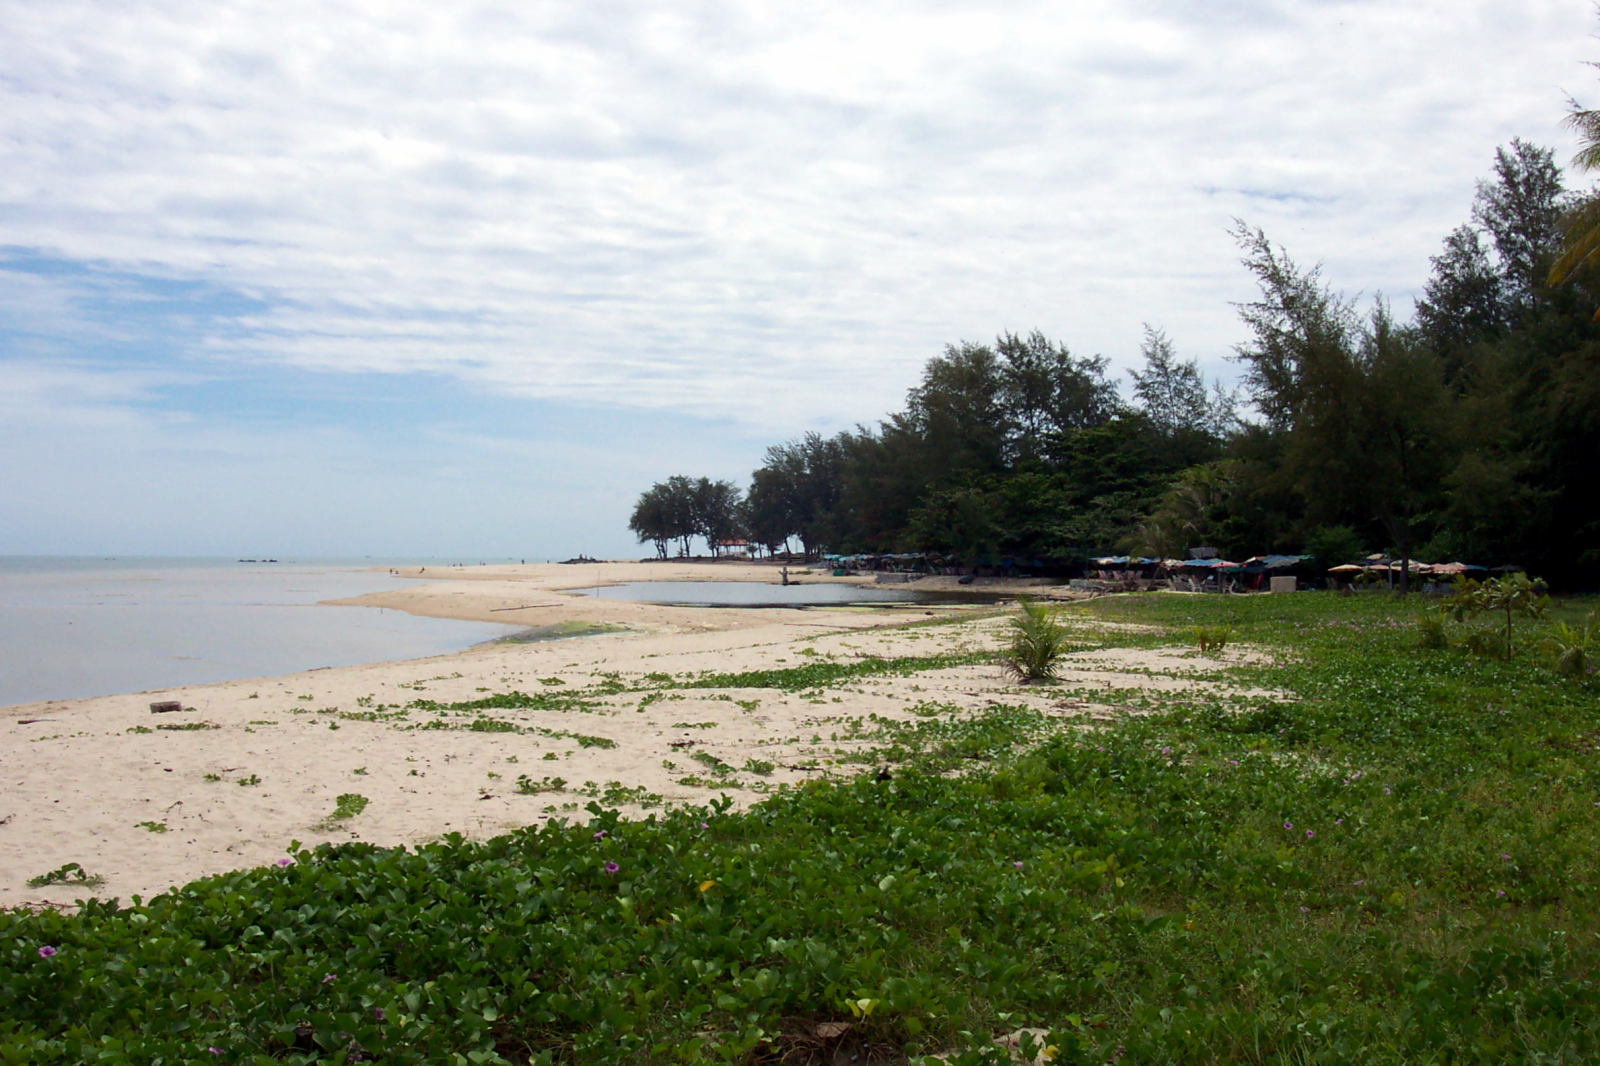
point(1431, 632)
point(1211, 639)
point(1575, 650)
point(1037, 640)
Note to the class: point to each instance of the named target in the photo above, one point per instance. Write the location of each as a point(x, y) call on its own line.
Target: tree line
point(1467, 430)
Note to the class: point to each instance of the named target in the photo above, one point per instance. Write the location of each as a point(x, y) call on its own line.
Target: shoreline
point(151, 801)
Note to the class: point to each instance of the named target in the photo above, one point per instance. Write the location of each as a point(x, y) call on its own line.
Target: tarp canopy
point(1454, 568)
point(1276, 562)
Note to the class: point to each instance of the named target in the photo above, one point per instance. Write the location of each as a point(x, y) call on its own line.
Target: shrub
point(1037, 640)
point(1211, 639)
point(1509, 596)
point(1573, 648)
point(1431, 632)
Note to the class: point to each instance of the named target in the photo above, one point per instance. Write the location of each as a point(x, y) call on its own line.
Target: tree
point(666, 512)
point(651, 519)
point(1303, 375)
point(958, 412)
point(1521, 210)
point(796, 492)
point(1172, 395)
point(1580, 246)
point(1360, 406)
point(1403, 414)
point(717, 507)
point(1302, 333)
point(1045, 391)
point(1464, 302)
point(1190, 512)
point(957, 520)
point(768, 516)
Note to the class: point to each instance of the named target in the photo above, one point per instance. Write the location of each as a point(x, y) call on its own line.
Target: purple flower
point(285, 862)
point(612, 868)
point(1017, 864)
point(328, 978)
point(1338, 821)
point(214, 1050)
point(47, 952)
point(707, 825)
point(1288, 825)
point(601, 835)
point(1500, 892)
point(377, 1012)
point(1166, 751)
point(1310, 833)
point(1505, 856)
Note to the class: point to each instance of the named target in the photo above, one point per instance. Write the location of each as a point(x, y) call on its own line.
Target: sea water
point(72, 627)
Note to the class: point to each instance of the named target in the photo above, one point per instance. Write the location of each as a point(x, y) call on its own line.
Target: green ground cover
point(1392, 860)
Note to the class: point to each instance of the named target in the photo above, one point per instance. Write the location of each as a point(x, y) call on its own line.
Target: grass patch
point(823, 673)
point(562, 631)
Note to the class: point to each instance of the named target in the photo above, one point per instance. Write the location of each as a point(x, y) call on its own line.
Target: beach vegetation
point(531, 787)
point(345, 807)
point(1336, 850)
point(1037, 640)
point(151, 826)
point(1510, 597)
point(70, 873)
point(1164, 888)
point(248, 781)
point(1210, 639)
point(1575, 649)
point(820, 673)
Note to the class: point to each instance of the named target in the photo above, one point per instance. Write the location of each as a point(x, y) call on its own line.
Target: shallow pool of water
point(758, 594)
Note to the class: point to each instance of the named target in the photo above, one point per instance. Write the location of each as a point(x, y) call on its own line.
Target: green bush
point(1212, 639)
point(1037, 639)
point(1573, 648)
point(1431, 632)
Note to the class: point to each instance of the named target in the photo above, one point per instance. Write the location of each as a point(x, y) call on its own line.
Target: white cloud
point(745, 211)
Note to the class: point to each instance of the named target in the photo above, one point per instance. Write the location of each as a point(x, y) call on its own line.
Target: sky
point(405, 278)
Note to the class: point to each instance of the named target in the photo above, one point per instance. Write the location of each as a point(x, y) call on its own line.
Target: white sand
point(79, 776)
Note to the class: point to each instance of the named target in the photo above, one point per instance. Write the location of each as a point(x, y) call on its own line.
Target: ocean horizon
point(80, 626)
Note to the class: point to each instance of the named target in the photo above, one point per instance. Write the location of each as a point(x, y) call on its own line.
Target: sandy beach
point(148, 801)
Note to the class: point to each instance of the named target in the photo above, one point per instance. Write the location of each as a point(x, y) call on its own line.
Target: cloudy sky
point(406, 277)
